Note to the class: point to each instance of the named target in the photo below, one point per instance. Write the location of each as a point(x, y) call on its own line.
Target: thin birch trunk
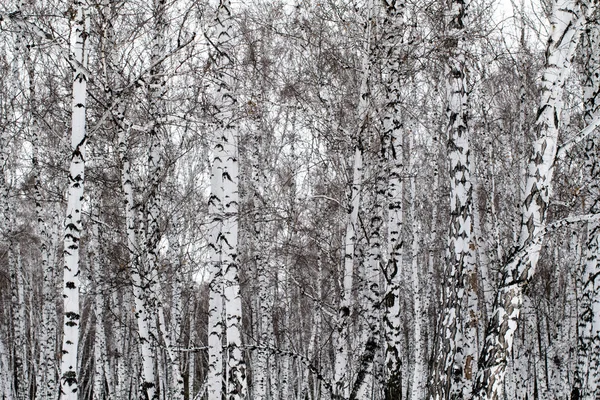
point(315, 333)
point(262, 238)
point(419, 372)
point(14, 257)
point(5, 371)
point(341, 378)
point(101, 367)
point(374, 263)
point(215, 301)
point(175, 384)
point(45, 377)
point(19, 323)
point(147, 387)
point(172, 336)
point(566, 23)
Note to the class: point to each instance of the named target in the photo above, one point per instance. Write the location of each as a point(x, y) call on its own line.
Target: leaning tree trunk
point(73, 227)
point(567, 19)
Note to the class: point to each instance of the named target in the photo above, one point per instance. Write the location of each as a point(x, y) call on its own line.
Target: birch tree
point(457, 342)
point(224, 209)
point(393, 139)
point(587, 380)
point(73, 225)
point(566, 23)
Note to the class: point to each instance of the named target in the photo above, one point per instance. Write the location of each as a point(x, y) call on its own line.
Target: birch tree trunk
point(457, 344)
point(73, 227)
point(224, 210)
point(419, 373)
point(374, 257)
point(566, 22)
point(393, 138)
point(215, 300)
point(17, 284)
point(101, 367)
point(45, 376)
point(142, 314)
point(5, 371)
point(19, 350)
point(341, 377)
point(587, 372)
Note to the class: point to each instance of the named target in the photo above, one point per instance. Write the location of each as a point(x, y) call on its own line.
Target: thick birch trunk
point(73, 227)
point(457, 345)
point(393, 140)
point(566, 22)
point(224, 210)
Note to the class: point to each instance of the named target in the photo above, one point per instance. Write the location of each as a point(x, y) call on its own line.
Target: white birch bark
point(454, 361)
point(341, 368)
point(45, 377)
point(341, 377)
point(315, 334)
point(374, 258)
point(393, 140)
point(101, 367)
point(73, 227)
point(419, 370)
point(17, 305)
point(152, 234)
point(5, 371)
point(172, 333)
point(263, 237)
point(566, 22)
point(18, 320)
point(587, 374)
point(142, 314)
point(225, 194)
point(175, 383)
point(215, 300)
